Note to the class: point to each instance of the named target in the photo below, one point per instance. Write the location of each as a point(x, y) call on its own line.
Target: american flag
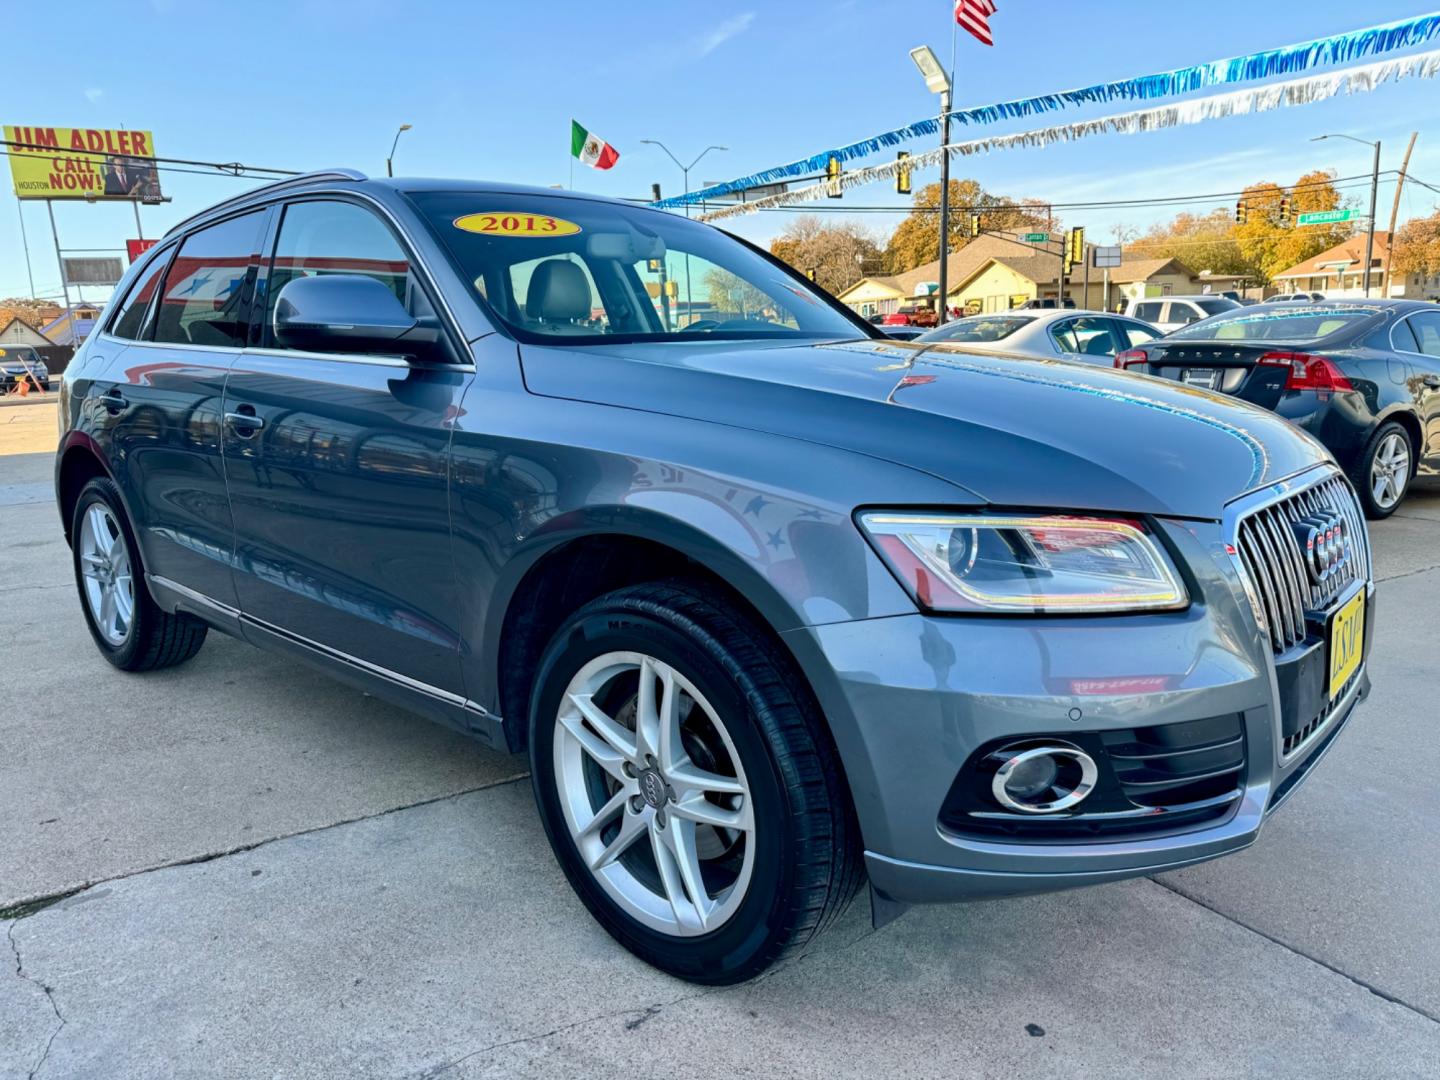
point(974, 16)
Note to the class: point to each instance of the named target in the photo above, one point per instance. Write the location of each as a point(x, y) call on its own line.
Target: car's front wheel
point(130, 630)
point(1382, 473)
point(691, 797)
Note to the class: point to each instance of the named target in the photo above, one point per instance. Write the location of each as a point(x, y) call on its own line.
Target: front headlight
point(1046, 564)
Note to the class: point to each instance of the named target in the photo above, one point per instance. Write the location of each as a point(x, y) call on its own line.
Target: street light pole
point(685, 179)
point(944, 208)
point(389, 161)
point(684, 169)
point(938, 82)
point(1374, 194)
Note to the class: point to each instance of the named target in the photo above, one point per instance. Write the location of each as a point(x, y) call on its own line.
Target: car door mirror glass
point(349, 313)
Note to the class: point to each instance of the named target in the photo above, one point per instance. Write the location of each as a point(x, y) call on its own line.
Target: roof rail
point(302, 178)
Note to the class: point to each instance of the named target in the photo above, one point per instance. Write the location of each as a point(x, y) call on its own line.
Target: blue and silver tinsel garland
point(1373, 41)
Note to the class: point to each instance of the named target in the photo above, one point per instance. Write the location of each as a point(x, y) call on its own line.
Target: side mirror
point(348, 313)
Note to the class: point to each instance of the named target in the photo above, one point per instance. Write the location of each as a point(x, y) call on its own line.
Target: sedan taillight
point(1131, 358)
point(1307, 371)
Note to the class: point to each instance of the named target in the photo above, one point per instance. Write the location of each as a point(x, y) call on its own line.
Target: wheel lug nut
point(628, 769)
point(636, 804)
point(660, 818)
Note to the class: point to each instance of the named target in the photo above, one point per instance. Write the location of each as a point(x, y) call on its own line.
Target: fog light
point(1043, 779)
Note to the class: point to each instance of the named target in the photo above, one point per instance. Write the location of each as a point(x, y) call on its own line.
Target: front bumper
point(910, 699)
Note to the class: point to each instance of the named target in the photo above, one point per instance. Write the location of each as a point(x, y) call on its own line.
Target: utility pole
point(1370, 236)
point(1388, 279)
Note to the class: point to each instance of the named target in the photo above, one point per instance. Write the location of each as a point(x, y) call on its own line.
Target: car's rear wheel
point(129, 629)
point(1382, 473)
point(691, 798)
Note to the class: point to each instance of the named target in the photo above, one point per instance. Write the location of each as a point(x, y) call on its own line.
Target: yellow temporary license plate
point(1347, 641)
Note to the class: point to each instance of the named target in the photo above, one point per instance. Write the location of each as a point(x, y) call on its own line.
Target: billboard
point(92, 271)
point(82, 163)
point(136, 248)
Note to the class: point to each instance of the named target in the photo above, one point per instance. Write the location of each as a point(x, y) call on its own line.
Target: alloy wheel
point(1390, 470)
point(653, 792)
point(108, 581)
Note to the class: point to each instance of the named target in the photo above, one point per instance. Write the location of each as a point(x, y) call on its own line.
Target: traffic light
point(1241, 211)
point(902, 174)
point(1284, 209)
point(1075, 251)
point(974, 224)
point(832, 177)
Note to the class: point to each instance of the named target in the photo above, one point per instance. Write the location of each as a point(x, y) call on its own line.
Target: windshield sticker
point(531, 226)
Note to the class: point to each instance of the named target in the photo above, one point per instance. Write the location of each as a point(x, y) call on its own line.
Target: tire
point(768, 889)
point(142, 637)
point(1387, 462)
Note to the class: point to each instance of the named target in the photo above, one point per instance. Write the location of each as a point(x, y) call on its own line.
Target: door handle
point(1432, 381)
point(113, 400)
point(244, 421)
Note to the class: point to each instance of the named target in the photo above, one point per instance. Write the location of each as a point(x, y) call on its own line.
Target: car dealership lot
point(384, 903)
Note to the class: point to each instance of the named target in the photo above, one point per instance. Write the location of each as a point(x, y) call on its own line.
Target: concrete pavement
point(289, 879)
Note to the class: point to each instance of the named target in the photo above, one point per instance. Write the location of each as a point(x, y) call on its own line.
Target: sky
point(491, 88)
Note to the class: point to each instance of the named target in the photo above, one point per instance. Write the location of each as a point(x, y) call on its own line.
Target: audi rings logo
point(1323, 542)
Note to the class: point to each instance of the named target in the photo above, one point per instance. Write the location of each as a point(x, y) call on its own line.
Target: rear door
point(1091, 339)
point(162, 402)
point(337, 469)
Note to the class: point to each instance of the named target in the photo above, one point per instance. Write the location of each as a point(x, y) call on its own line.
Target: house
point(996, 272)
point(19, 332)
point(72, 327)
point(1340, 272)
point(882, 295)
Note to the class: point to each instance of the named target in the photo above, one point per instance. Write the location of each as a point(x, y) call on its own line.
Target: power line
point(1343, 183)
point(227, 168)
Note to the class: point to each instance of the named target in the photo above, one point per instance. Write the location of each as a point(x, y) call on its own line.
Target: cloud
point(728, 29)
point(93, 95)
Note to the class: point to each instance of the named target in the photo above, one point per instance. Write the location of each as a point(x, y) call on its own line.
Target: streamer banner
point(1358, 80)
point(1338, 49)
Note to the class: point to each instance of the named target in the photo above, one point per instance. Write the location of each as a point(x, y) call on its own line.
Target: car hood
point(1011, 430)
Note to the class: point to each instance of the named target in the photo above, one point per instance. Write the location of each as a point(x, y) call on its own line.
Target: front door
point(338, 470)
point(1426, 365)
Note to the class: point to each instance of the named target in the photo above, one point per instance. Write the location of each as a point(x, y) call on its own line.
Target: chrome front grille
point(1300, 554)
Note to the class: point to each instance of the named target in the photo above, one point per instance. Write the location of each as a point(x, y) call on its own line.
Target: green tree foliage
point(916, 240)
point(1417, 246)
point(1199, 241)
point(1272, 246)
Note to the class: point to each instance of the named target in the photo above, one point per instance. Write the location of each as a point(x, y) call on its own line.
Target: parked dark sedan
point(774, 603)
point(1362, 376)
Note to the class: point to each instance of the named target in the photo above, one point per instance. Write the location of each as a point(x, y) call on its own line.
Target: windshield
point(1216, 305)
point(589, 272)
point(1313, 322)
point(978, 328)
point(18, 354)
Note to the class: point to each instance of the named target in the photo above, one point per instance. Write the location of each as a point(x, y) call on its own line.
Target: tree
point(1273, 246)
point(1416, 248)
point(916, 240)
point(1199, 241)
point(840, 253)
point(734, 297)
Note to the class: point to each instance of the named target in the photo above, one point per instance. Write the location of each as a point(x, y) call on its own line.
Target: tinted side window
point(207, 291)
point(335, 238)
point(1180, 313)
point(1426, 326)
point(129, 322)
point(1149, 312)
point(1138, 334)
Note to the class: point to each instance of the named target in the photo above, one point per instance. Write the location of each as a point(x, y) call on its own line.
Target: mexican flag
point(590, 148)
